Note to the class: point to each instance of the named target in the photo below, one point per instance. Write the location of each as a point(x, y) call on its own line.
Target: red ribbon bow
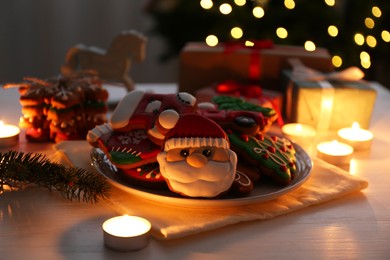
point(234, 88)
point(254, 69)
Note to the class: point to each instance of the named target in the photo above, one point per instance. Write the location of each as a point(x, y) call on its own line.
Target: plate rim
point(97, 155)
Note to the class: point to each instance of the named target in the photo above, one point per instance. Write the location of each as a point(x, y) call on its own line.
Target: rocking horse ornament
point(112, 64)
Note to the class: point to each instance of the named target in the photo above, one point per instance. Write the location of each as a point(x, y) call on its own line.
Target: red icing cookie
point(147, 175)
point(129, 149)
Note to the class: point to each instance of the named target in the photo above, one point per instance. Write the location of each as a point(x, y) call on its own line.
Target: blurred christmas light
point(236, 32)
point(371, 41)
point(333, 31)
point(249, 44)
point(385, 36)
point(240, 2)
point(225, 8)
point(206, 4)
point(258, 12)
point(281, 33)
point(330, 2)
point(376, 11)
point(369, 22)
point(289, 4)
point(337, 61)
point(359, 39)
point(365, 64)
point(310, 46)
point(211, 40)
point(364, 56)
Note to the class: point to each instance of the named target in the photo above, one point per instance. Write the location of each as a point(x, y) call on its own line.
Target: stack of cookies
point(62, 108)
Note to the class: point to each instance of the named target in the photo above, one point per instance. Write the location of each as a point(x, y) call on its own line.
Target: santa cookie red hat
point(193, 130)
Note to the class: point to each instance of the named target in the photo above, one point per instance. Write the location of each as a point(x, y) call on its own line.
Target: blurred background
point(35, 35)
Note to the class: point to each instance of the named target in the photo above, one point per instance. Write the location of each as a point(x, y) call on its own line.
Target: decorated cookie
point(126, 150)
point(147, 175)
point(246, 122)
point(196, 160)
point(273, 156)
point(139, 109)
point(248, 111)
point(242, 184)
point(61, 108)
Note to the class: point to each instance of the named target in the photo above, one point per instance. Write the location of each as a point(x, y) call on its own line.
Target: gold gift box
point(352, 101)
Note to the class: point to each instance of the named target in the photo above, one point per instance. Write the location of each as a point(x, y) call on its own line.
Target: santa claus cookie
point(272, 155)
point(196, 160)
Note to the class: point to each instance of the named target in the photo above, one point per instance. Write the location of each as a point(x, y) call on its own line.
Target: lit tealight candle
point(358, 138)
point(9, 135)
point(301, 134)
point(126, 233)
point(335, 152)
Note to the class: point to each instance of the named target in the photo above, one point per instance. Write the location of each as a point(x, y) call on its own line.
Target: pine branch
point(18, 169)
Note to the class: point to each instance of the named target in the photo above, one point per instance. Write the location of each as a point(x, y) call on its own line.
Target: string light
point(376, 11)
point(211, 40)
point(281, 33)
point(359, 39)
point(258, 12)
point(365, 60)
point(371, 41)
point(225, 8)
point(385, 36)
point(249, 44)
point(206, 4)
point(369, 22)
point(240, 2)
point(289, 4)
point(333, 31)
point(236, 32)
point(337, 61)
point(330, 2)
point(310, 46)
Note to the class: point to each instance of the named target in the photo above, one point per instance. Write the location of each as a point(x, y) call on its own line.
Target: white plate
point(262, 191)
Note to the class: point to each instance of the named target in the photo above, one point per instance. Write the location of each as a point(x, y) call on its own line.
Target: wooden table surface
point(37, 224)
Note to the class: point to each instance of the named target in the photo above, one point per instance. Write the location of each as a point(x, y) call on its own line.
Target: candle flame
point(355, 126)
point(335, 142)
point(298, 127)
point(1, 123)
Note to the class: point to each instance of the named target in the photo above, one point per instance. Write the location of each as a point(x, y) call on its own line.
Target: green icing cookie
point(274, 156)
point(120, 157)
point(233, 103)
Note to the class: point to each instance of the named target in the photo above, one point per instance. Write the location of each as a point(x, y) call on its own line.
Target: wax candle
point(9, 135)
point(126, 233)
point(358, 138)
point(335, 152)
point(301, 134)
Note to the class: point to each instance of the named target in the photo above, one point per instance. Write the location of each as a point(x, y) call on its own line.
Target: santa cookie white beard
point(197, 160)
point(210, 180)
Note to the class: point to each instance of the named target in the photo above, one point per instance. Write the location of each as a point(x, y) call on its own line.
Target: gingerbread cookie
point(139, 109)
point(125, 150)
point(64, 108)
point(147, 175)
point(196, 160)
point(230, 103)
point(242, 184)
point(272, 155)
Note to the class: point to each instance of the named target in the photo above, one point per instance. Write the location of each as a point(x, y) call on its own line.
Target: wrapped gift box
point(328, 105)
point(201, 65)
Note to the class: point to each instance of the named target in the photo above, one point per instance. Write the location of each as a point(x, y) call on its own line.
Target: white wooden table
point(37, 224)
